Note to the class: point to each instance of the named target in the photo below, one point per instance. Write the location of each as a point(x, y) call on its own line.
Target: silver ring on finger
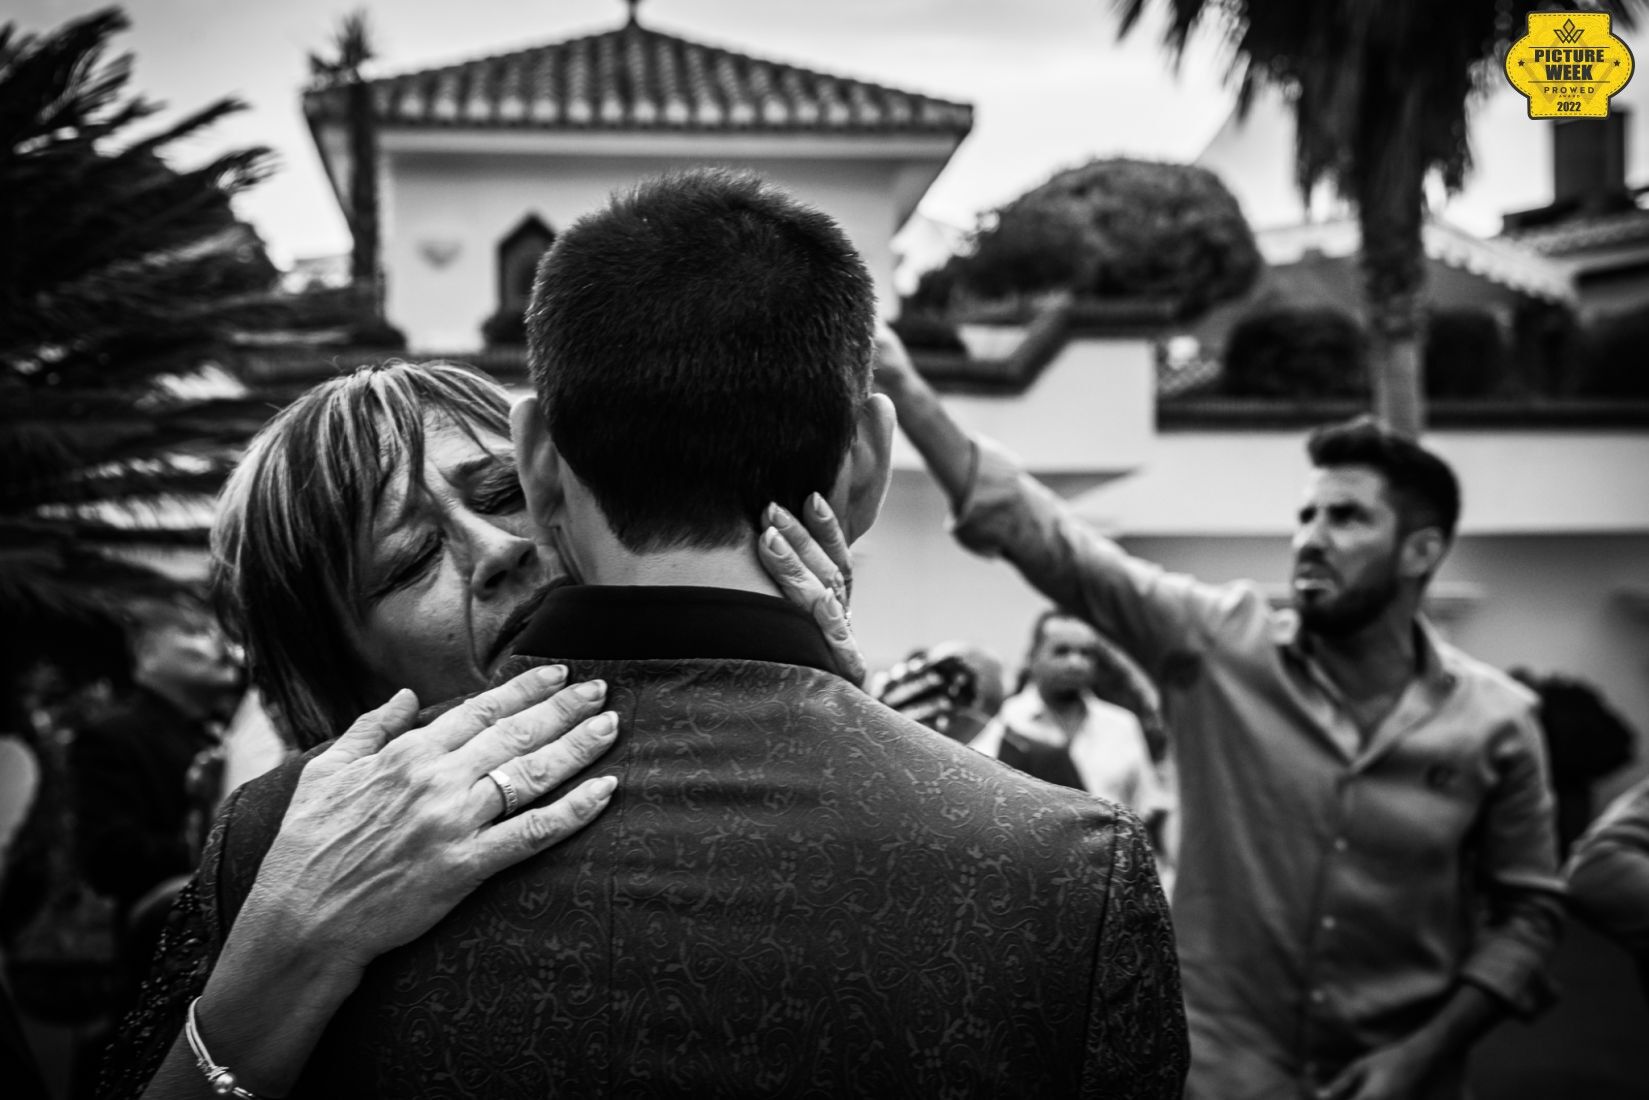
point(512, 801)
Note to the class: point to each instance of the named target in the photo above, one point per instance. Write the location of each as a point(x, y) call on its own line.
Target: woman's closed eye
point(499, 491)
point(407, 565)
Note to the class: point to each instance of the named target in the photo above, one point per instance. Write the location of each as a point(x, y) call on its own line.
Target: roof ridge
point(628, 28)
point(636, 77)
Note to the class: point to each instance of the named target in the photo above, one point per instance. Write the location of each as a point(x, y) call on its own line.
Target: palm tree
point(121, 278)
point(1381, 94)
point(352, 50)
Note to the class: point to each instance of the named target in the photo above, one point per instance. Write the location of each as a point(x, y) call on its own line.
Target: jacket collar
point(609, 622)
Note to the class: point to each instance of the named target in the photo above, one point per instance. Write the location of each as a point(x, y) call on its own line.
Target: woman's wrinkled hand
point(810, 562)
point(388, 830)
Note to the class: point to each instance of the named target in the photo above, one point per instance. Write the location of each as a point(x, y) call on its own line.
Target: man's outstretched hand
point(894, 373)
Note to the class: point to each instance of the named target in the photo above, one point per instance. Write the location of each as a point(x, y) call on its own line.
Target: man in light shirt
point(1058, 730)
point(1368, 877)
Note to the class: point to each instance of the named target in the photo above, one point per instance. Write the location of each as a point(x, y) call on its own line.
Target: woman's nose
point(503, 561)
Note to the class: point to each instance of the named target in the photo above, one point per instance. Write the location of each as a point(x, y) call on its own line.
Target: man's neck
point(1377, 661)
point(1068, 709)
point(734, 567)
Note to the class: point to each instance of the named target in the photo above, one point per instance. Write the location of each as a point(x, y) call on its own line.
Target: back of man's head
point(1423, 488)
point(700, 347)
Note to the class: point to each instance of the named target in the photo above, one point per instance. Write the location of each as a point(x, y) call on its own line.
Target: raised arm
point(1000, 510)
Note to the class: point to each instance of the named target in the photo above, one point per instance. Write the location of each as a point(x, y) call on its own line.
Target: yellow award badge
point(1568, 64)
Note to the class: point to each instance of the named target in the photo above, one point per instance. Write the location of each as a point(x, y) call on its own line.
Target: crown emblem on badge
point(1568, 34)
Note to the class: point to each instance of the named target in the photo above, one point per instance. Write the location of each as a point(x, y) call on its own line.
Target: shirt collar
point(1029, 704)
point(1439, 664)
point(608, 622)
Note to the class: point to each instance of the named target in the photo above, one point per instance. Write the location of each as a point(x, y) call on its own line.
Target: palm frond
point(121, 274)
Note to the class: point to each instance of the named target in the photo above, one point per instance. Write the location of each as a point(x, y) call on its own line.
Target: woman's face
point(449, 571)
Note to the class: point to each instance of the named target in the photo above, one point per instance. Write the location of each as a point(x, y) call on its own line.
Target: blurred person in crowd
point(954, 688)
point(132, 759)
point(1055, 728)
point(1586, 739)
point(1341, 770)
point(378, 844)
point(784, 862)
point(1058, 730)
point(1609, 875)
point(19, 780)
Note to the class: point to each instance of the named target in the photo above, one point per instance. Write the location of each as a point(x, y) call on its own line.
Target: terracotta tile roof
point(635, 78)
point(1506, 261)
point(1585, 233)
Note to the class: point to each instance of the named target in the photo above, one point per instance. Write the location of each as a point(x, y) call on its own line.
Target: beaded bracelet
point(218, 1078)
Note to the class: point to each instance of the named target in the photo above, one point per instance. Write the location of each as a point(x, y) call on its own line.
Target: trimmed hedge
point(928, 332)
point(1465, 354)
point(1113, 228)
point(1296, 352)
point(1610, 355)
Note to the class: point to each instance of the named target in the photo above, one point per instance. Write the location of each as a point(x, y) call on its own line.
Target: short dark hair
point(700, 347)
point(1424, 490)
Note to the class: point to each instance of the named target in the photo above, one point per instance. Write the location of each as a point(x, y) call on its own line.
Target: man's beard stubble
point(1351, 609)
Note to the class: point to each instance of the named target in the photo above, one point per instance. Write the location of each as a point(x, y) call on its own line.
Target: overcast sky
point(1050, 84)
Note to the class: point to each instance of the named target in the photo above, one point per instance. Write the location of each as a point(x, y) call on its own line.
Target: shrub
point(928, 332)
point(1609, 357)
point(1296, 352)
point(506, 328)
point(1465, 353)
point(1117, 228)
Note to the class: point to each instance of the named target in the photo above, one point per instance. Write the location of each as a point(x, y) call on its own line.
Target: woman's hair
point(294, 515)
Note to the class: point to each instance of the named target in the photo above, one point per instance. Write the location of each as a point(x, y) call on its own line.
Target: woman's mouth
point(517, 621)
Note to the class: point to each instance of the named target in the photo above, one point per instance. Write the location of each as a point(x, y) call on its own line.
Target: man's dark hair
point(1424, 490)
point(700, 347)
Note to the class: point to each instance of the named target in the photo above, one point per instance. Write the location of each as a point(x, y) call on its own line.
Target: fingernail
point(783, 515)
point(820, 508)
point(591, 690)
point(770, 514)
point(604, 725)
point(404, 696)
point(604, 787)
point(551, 675)
point(771, 539)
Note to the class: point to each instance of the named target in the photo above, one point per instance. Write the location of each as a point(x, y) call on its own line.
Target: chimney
point(1589, 163)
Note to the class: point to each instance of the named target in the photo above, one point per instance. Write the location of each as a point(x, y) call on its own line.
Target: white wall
point(465, 203)
point(1089, 414)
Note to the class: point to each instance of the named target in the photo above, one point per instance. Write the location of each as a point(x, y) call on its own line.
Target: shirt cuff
point(1505, 973)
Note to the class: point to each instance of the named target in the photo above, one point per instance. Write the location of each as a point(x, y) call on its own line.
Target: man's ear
point(1422, 553)
point(537, 462)
point(862, 484)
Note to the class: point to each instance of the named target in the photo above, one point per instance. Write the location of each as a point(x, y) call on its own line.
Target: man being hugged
point(794, 891)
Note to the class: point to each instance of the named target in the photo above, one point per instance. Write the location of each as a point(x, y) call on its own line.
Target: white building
point(482, 163)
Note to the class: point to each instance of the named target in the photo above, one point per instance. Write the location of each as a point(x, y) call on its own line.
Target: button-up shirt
point(1333, 888)
point(1107, 748)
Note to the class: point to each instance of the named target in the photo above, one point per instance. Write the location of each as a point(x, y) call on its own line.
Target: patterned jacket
point(794, 892)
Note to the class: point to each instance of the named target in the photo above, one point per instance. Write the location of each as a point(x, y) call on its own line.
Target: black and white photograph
point(889, 549)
